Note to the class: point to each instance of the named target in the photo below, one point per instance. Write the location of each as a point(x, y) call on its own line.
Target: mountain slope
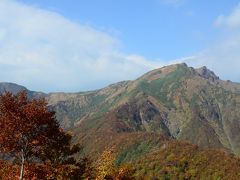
point(180, 160)
point(176, 101)
point(14, 88)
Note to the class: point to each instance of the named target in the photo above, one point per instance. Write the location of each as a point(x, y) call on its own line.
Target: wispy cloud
point(231, 21)
point(45, 51)
point(224, 56)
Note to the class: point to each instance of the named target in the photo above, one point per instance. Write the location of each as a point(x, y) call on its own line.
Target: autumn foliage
point(33, 146)
point(33, 142)
point(106, 169)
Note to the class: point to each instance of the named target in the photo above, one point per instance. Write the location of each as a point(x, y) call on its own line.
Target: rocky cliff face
point(207, 74)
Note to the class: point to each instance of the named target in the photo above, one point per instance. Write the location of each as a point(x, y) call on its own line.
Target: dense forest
point(34, 146)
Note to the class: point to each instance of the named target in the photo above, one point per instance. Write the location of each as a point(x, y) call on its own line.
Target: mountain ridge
point(178, 101)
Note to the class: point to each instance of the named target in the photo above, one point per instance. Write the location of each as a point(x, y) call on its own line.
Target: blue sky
point(166, 29)
point(75, 45)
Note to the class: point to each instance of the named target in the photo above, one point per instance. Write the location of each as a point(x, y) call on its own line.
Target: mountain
point(14, 88)
point(172, 104)
point(177, 101)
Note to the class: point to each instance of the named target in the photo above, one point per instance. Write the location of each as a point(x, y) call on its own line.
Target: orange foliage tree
point(30, 133)
point(106, 168)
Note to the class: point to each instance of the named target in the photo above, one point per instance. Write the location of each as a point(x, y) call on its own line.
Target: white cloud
point(231, 21)
point(224, 56)
point(45, 51)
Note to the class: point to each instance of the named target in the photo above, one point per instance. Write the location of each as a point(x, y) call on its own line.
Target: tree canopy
point(30, 133)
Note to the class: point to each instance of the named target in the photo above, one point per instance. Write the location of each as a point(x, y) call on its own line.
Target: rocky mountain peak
point(207, 74)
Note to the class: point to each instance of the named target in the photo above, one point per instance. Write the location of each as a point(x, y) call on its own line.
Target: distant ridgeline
point(145, 121)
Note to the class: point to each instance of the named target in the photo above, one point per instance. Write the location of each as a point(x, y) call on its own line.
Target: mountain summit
point(206, 73)
point(175, 101)
point(12, 87)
